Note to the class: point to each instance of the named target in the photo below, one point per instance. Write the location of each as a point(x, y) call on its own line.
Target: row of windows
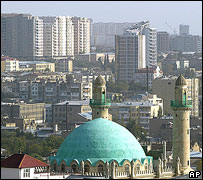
point(100, 168)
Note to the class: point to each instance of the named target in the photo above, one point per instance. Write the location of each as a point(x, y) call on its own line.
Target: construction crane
point(174, 30)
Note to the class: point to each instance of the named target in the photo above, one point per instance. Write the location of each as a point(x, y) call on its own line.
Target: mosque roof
point(100, 139)
point(180, 81)
point(100, 81)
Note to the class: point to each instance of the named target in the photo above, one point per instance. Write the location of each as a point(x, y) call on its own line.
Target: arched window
point(63, 168)
point(73, 168)
point(100, 168)
point(127, 168)
point(86, 168)
point(55, 167)
point(146, 167)
point(138, 167)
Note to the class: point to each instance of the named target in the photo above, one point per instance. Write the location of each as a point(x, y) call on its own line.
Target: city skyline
point(174, 13)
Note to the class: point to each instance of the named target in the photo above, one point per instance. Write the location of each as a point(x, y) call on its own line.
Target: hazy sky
point(157, 12)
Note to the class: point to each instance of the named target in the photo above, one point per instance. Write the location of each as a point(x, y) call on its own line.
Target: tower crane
point(174, 30)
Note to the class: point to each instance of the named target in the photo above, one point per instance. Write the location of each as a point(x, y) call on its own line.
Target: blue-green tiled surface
point(100, 139)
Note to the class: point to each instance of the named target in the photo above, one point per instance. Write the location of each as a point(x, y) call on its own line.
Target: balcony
point(106, 102)
point(187, 103)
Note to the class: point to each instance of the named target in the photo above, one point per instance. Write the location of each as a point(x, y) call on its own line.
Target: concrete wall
point(10, 173)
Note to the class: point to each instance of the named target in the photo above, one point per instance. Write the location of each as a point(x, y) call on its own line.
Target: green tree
point(160, 112)
point(136, 130)
point(199, 165)
point(34, 148)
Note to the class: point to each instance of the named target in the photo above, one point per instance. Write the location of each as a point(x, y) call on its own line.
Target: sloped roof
point(22, 161)
point(180, 81)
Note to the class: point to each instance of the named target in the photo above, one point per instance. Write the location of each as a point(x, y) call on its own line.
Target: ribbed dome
point(99, 139)
point(180, 81)
point(100, 81)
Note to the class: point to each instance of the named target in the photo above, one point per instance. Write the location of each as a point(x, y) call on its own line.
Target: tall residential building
point(103, 34)
point(21, 36)
point(162, 42)
point(165, 87)
point(183, 29)
point(151, 41)
point(81, 35)
point(58, 36)
point(130, 54)
point(186, 43)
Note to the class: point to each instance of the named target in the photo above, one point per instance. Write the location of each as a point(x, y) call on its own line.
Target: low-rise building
point(23, 166)
point(65, 114)
point(93, 57)
point(140, 112)
point(48, 116)
point(144, 75)
point(9, 64)
point(64, 65)
point(37, 66)
point(29, 114)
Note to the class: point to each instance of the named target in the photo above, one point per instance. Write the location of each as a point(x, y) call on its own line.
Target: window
point(127, 168)
point(100, 168)
point(63, 168)
point(73, 168)
point(146, 166)
point(188, 131)
point(26, 173)
point(86, 168)
point(138, 167)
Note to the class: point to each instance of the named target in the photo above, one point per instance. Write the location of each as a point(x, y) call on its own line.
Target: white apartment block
point(58, 36)
point(38, 37)
point(151, 41)
point(82, 28)
point(151, 46)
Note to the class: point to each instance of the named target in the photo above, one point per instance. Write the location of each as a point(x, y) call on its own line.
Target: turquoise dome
point(100, 139)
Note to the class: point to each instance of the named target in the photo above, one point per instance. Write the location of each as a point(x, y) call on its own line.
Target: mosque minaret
point(181, 126)
point(99, 103)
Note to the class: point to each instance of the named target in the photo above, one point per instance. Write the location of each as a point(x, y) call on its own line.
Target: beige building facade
point(9, 64)
point(37, 66)
point(164, 88)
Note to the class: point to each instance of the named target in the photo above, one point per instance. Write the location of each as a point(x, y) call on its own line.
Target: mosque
point(106, 149)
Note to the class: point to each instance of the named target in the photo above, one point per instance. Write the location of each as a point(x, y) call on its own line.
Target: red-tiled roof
point(22, 161)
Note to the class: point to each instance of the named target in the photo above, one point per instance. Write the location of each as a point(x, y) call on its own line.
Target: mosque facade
point(104, 148)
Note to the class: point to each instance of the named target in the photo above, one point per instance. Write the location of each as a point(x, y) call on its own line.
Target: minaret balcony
point(187, 103)
point(106, 102)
